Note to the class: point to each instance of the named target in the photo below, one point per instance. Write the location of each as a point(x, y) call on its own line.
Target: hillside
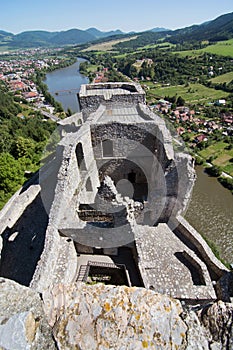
point(159, 29)
point(31, 38)
point(4, 34)
point(98, 34)
point(217, 30)
point(220, 28)
point(42, 38)
point(72, 36)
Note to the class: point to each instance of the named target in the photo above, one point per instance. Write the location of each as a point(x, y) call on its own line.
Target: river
point(210, 210)
point(64, 85)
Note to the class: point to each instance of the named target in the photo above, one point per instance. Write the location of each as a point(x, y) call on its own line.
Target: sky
point(128, 15)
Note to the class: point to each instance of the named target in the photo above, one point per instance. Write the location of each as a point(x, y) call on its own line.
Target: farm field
point(223, 156)
point(107, 46)
point(4, 48)
point(163, 46)
point(224, 48)
point(193, 93)
point(224, 78)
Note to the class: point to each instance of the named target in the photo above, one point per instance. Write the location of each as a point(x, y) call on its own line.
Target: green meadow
point(223, 156)
point(224, 78)
point(193, 93)
point(223, 48)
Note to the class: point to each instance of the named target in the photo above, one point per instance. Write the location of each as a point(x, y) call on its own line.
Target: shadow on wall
point(23, 244)
point(195, 271)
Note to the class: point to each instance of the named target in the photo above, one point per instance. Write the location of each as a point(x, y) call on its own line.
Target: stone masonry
point(115, 189)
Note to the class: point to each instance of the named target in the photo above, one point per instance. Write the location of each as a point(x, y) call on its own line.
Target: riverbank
point(63, 84)
point(224, 179)
point(210, 213)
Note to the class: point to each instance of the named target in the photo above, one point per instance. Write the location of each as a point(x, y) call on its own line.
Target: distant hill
point(98, 34)
point(32, 38)
point(159, 29)
point(3, 33)
point(42, 38)
point(218, 29)
point(72, 36)
point(5, 37)
point(143, 39)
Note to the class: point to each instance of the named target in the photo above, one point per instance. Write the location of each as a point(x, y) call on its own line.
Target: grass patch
point(212, 149)
point(4, 49)
point(107, 46)
point(221, 154)
point(228, 168)
point(223, 48)
point(189, 53)
point(92, 68)
point(194, 93)
point(215, 250)
point(164, 46)
point(121, 55)
point(224, 78)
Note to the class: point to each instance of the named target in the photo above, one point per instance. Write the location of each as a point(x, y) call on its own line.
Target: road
point(47, 115)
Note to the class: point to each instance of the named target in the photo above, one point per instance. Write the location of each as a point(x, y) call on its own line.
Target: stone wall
point(64, 184)
point(90, 103)
point(58, 260)
point(199, 245)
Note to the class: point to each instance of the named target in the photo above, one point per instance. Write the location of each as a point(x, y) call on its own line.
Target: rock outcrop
point(101, 317)
point(211, 327)
point(109, 317)
point(23, 325)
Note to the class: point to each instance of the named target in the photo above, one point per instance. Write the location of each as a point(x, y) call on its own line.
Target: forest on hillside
point(22, 141)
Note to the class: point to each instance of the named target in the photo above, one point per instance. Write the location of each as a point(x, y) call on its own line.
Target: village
point(190, 121)
point(18, 74)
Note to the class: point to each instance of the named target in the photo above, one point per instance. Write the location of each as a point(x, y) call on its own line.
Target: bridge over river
point(65, 92)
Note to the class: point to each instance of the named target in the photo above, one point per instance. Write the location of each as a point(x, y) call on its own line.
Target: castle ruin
point(108, 206)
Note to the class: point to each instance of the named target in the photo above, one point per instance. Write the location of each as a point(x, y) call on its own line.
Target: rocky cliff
point(79, 316)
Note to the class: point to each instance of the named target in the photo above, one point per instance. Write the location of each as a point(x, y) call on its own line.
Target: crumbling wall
point(90, 103)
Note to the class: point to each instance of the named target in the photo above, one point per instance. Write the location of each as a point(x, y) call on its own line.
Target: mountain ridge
point(220, 28)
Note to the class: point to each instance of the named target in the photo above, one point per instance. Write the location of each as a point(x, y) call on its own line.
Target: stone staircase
point(82, 274)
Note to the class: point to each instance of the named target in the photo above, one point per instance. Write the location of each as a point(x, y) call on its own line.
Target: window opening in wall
point(107, 146)
point(89, 185)
point(80, 157)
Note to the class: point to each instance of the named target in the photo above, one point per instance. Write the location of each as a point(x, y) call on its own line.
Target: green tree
point(24, 148)
point(11, 173)
point(180, 101)
point(69, 112)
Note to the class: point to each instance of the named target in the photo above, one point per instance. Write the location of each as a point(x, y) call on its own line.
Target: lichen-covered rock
point(210, 327)
point(218, 318)
point(84, 317)
point(196, 336)
point(109, 317)
point(23, 325)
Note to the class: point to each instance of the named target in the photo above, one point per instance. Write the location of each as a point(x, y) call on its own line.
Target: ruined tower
point(110, 204)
